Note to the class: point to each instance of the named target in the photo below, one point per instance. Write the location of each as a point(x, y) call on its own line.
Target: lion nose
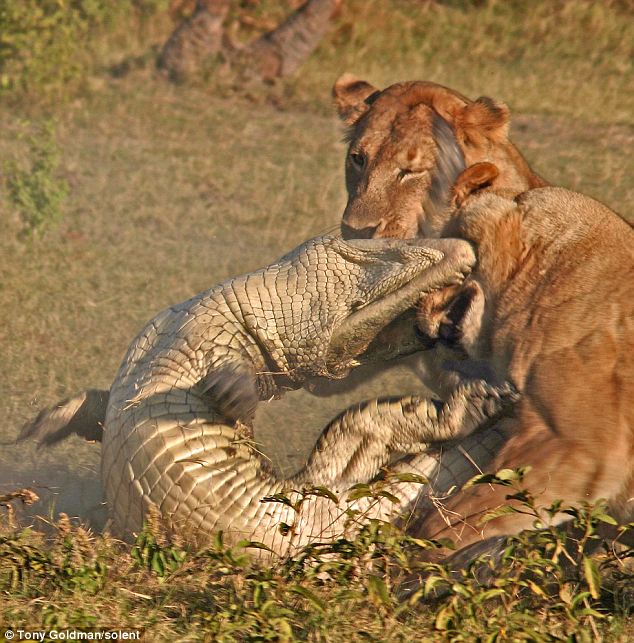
point(349, 232)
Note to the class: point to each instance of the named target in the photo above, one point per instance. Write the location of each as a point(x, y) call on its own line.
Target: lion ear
point(447, 103)
point(472, 179)
point(351, 97)
point(488, 116)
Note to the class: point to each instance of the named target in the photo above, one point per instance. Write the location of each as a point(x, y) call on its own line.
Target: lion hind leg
point(557, 469)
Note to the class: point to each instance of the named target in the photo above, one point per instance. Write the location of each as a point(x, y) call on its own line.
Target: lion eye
point(358, 160)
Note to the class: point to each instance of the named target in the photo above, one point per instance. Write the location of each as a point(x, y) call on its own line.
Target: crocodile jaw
point(369, 325)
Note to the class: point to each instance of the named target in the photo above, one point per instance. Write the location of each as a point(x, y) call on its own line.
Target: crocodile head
point(330, 300)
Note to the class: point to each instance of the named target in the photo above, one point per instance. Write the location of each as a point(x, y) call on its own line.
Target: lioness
point(556, 317)
point(408, 144)
point(551, 305)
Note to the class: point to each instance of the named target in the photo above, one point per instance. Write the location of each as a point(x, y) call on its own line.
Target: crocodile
point(178, 419)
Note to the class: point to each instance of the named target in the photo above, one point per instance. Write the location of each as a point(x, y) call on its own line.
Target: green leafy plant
point(78, 568)
point(543, 581)
point(35, 188)
point(21, 561)
point(68, 563)
point(546, 584)
point(153, 550)
point(45, 44)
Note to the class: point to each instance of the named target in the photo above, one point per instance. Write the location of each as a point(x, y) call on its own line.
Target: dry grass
point(347, 590)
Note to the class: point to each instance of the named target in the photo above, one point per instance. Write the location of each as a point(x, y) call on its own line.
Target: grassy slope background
point(173, 189)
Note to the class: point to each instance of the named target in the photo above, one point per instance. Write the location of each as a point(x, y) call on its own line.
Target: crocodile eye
point(356, 304)
point(358, 160)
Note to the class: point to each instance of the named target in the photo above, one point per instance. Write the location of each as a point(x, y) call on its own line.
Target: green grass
point(348, 589)
point(173, 189)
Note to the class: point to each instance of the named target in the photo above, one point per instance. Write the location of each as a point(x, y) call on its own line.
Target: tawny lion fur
point(409, 143)
point(550, 306)
point(556, 269)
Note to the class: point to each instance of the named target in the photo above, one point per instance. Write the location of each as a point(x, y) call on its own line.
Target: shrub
point(35, 188)
point(541, 585)
point(44, 44)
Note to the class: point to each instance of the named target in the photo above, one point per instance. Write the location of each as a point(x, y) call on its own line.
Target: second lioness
point(551, 305)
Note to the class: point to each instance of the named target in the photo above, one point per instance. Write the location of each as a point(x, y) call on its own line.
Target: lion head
point(407, 146)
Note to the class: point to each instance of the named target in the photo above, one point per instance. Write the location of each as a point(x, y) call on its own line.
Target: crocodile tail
point(83, 415)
